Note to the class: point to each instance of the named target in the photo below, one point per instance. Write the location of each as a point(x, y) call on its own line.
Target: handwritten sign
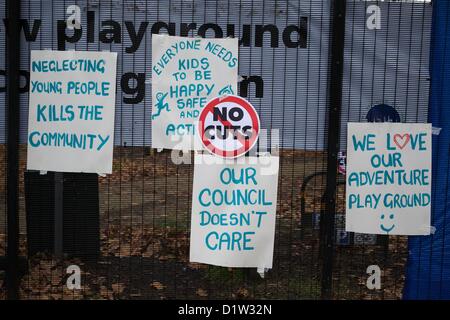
point(233, 211)
point(186, 74)
point(388, 178)
point(71, 111)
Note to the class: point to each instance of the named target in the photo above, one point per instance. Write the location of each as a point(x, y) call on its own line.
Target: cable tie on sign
point(42, 172)
point(102, 174)
point(261, 271)
point(432, 229)
point(436, 131)
point(240, 78)
point(263, 153)
point(159, 149)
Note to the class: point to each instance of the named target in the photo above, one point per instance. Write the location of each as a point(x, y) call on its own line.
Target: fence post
point(334, 118)
point(13, 123)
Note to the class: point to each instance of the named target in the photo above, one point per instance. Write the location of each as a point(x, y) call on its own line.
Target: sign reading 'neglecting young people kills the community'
point(388, 178)
point(186, 74)
point(71, 111)
point(233, 211)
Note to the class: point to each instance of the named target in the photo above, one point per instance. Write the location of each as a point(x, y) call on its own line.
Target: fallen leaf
point(118, 288)
point(243, 292)
point(201, 292)
point(197, 266)
point(157, 285)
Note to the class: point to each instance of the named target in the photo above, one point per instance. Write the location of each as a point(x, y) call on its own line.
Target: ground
point(144, 233)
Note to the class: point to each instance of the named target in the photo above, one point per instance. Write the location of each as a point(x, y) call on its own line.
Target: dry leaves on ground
point(201, 292)
point(157, 285)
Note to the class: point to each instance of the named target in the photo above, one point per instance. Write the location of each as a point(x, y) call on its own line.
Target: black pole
point(334, 128)
point(58, 247)
point(13, 122)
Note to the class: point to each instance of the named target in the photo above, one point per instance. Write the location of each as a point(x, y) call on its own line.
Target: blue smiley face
point(382, 225)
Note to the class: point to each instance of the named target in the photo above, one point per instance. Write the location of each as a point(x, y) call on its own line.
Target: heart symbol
point(401, 140)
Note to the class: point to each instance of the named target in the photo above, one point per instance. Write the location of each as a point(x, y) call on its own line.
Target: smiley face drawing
point(382, 225)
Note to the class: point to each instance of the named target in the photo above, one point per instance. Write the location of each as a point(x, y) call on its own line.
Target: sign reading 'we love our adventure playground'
point(388, 178)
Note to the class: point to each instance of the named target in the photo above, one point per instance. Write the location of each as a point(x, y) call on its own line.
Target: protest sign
point(388, 178)
point(228, 126)
point(186, 74)
point(233, 211)
point(71, 111)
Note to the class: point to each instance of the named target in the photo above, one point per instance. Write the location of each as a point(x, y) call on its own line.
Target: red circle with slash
point(228, 126)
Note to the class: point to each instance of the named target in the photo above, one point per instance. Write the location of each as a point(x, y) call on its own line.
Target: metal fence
point(308, 66)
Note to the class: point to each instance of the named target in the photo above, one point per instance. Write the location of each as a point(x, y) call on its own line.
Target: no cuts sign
point(229, 126)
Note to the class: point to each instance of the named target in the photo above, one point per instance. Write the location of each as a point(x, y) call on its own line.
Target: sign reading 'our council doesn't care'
point(71, 111)
point(186, 74)
point(389, 178)
point(234, 210)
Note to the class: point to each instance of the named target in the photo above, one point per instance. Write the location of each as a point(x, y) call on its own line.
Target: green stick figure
point(160, 104)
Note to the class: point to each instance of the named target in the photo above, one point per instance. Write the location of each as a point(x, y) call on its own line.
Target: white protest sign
point(186, 74)
point(71, 111)
point(388, 178)
point(228, 126)
point(234, 211)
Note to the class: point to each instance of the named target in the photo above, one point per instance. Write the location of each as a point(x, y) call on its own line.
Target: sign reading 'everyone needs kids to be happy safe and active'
point(186, 74)
point(71, 111)
point(388, 178)
point(233, 211)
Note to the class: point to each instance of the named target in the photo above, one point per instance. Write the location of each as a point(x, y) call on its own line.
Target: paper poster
point(186, 74)
point(233, 211)
point(71, 111)
point(388, 178)
point(229, 126)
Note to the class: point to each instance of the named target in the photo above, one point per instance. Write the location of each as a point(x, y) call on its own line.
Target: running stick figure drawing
point(160, 104)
